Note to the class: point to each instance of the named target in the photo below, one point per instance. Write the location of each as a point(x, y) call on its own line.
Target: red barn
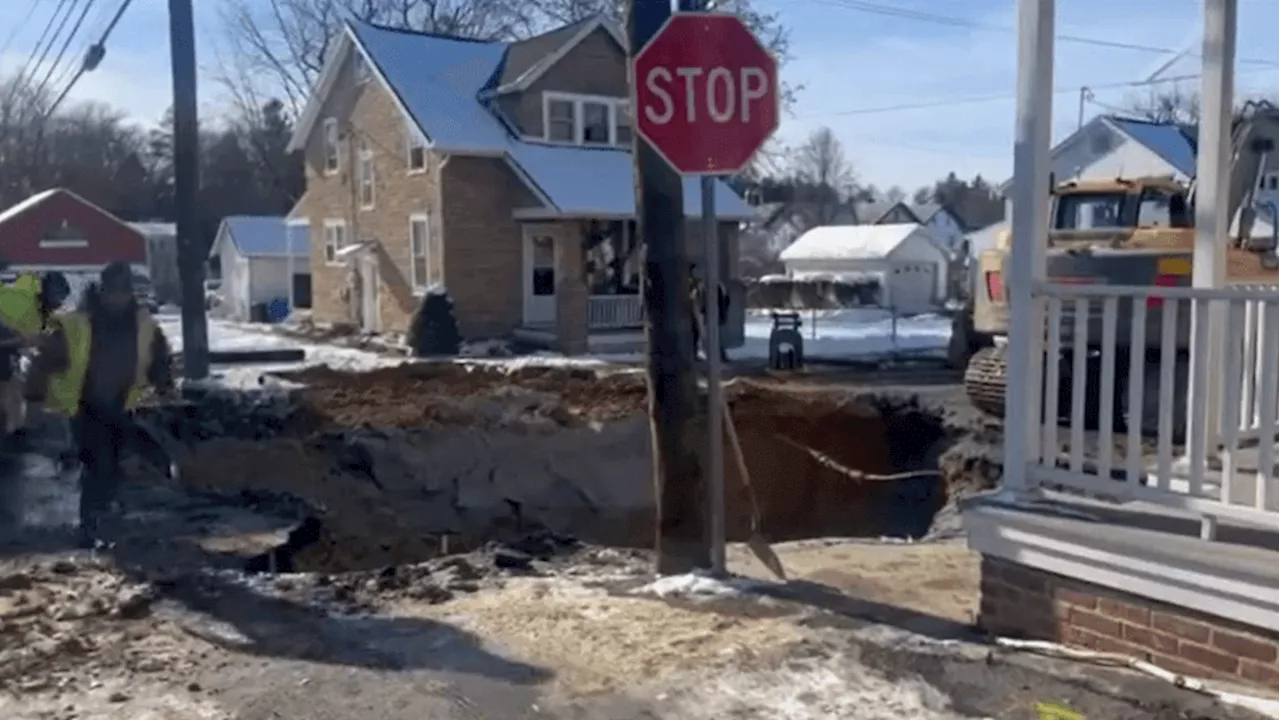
point(59, 230)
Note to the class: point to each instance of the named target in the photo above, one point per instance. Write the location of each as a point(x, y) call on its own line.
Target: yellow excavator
point(1127, 231)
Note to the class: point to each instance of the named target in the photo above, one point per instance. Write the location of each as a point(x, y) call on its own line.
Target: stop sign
point(706, 93)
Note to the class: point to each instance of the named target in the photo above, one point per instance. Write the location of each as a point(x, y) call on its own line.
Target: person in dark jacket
point(94, 365)
point(698, 293)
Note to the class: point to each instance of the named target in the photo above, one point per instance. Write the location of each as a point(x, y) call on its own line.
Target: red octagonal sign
point(706, 93)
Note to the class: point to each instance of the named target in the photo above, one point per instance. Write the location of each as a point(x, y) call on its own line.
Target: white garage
point(262, 259)
point(910, 263)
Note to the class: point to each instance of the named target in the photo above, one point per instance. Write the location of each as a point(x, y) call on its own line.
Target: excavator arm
point(1253, 142)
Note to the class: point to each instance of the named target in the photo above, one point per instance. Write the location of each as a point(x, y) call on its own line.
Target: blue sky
point(849, 61)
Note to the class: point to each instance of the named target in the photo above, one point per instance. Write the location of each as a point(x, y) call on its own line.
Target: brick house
point(500, 171)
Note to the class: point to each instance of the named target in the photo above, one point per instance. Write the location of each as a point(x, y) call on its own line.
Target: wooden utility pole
point(186, 179)
point(682, 541)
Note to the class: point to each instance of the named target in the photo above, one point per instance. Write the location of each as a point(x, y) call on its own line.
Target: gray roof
point(924, 211)
point(266, 236)
point(525, 55)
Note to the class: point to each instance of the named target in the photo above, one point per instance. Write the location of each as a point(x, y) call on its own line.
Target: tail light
point(1162, 280)
point(995, 286)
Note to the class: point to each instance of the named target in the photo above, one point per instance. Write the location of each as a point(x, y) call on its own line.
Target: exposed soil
point(471, 455)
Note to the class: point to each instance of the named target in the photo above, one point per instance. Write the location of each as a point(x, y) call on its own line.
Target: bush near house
point(434, 329)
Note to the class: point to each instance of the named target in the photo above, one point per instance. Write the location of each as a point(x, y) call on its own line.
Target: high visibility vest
point(65, 387)
point(20, 305)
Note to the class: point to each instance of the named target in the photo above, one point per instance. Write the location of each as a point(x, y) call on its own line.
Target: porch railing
point(1232, 472)
point(614, 312)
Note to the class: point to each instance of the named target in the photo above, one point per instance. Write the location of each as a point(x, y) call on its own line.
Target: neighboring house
point(254, 255)
point(162, 259)
point(500, 171)
point(944, 224)
point(909, 262)
point(59, 230)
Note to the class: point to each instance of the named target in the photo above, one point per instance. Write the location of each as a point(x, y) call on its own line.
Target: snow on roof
point(18, 208)
point(850, 242)
point(1168, 140)
point(266, 236)
point(440, 82)
point(155, 229)
point(585, 181)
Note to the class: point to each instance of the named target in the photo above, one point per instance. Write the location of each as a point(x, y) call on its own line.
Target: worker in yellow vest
point(25, 306)
point(94, 365)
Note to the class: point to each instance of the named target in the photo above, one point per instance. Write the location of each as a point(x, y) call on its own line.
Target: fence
point(1228, 411)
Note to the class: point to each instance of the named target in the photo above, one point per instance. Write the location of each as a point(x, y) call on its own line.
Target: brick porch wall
point(1023, 602)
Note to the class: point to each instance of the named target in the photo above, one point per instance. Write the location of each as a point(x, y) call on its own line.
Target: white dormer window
point(586, 120)
point(562, 123)
point(332, 157)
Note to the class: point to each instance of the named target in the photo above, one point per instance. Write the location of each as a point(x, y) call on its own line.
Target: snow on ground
point(225, 335)
point(852, 334)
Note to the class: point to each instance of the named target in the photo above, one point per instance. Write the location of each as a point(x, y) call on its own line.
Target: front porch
point(1162, 550)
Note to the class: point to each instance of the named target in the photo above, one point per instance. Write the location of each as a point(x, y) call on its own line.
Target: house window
point(64, 236)
point(597, 123)
point(417, 145)
point(331, 154)
point(366, 177)
point(335, 238)
point(562, 121)
point(420, 251)
point(622, 123)
point(586, 120)
point(1268, 182)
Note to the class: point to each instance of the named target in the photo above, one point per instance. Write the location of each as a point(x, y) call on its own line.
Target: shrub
point(434, 330)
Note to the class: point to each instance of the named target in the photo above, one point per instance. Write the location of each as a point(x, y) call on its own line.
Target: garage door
point(913, 286)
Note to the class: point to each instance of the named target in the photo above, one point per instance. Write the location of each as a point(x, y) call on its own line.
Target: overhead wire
point(66, 43)
point(92, 57)
point(31, 63)
point(924, 16)
point(953, 102)
point(17, 28)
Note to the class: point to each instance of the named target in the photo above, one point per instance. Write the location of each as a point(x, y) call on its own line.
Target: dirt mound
point(477, 455)
point(448, 394)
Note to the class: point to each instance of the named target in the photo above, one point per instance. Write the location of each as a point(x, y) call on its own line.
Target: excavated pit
point(387, 464)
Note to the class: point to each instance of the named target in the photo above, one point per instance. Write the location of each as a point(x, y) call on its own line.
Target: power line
point(13, 34)
point(75, 30)
point(31, 64)
point(922, 16)
point(92, 58)
point(953, 102)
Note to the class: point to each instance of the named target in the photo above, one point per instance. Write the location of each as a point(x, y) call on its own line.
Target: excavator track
point(985, 380)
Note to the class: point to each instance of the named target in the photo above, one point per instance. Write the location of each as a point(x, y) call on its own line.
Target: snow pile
point(699, 584)
point(852, 334)
point(818, 688)
point(229, 336)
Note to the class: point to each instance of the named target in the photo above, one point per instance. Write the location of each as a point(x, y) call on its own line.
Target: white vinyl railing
point(614, 312)
point(1228, 465)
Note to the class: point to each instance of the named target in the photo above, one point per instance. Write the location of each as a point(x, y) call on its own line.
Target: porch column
point(571, 291)
point(1030, 225)
point(1213, 221)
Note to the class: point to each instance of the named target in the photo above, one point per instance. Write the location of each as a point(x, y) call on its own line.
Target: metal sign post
point(715, 399)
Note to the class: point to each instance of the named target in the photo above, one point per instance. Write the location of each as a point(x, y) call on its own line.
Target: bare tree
point(1169, 105)
point(277, 48)
point(822, 168)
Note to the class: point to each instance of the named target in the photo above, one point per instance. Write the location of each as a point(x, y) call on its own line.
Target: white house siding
point(269, 278)
point(945, 229)
point(919, 277)
point(235, 280)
